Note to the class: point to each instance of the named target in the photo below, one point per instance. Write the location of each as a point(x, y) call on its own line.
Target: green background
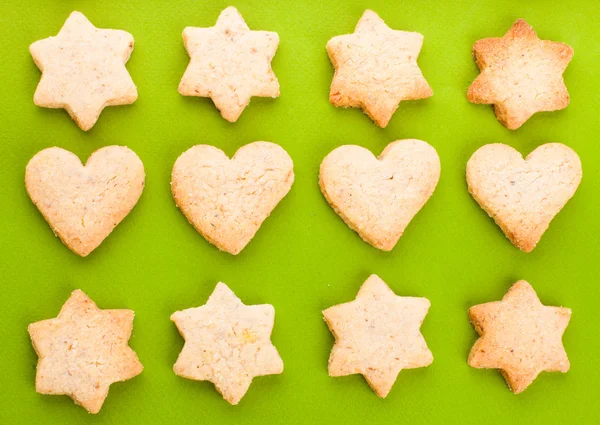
point(304, 258)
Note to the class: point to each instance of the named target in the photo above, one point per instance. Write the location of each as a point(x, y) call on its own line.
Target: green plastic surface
point(304, 258)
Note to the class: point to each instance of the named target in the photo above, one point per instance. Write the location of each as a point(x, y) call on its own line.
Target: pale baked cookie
point(520, 336)
point(229, 63)
point(523, 195)
point(376, 68)
point(520, 74)
point(227, 200)
point(227, 343)
point(378, 197)
point(83, 204)
point(83, 351)
point(83, 70)
point(377, 335)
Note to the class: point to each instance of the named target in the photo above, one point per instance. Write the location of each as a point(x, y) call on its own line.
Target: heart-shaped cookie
point(378, 197)
point(227, 200)
point(83, 204)
point(523, 195)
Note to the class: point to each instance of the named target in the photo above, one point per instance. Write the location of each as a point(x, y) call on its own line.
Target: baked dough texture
point(83, 70)
point(227, 343)
point(377, 335)
point(520, 74)
point(83, 204)
point(227, 200)
point(229, 63)
point(520, 336)
point(378, 197)
point(523, 195)
point(376, 68)
point(83, 351)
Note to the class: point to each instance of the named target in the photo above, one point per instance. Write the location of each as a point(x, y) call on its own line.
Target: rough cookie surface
point(377, 335)
point(229, 63)
point(83, 351)
point(83, 70)
point(378, 197)
point(376, 68)
point(520, 74)
point(227, 200)
point(227, 343)
point(83, 204)
point(523, 195)
point(520, 336)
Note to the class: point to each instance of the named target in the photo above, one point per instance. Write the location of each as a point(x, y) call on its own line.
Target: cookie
point(376, 68)
point(227, 343)
point(520, 336)
point(523, 195)
point(378, 197)
point(83, 70)
point(227, 200)
point(229, 63)
point(83, 204)
point(520, 75)
point(377, 335)
point(83, 351)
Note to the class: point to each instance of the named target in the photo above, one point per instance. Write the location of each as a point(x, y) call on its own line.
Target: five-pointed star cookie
point(377, 335)
point(229, 63)
point(84, 350)
point(83, 70)
point(520, 74)
point(227, 343)
point(376, 68)
point(520, 336)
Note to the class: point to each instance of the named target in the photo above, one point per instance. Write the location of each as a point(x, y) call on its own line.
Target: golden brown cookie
point(378, 197)
point(377, 335)
point(229, 63)
point(227, 343)
point(523, 195)
point(83, 351)
point(376, 68)
point(83, 204)
point(83, 70)
point(520, 336)
point(520, 74)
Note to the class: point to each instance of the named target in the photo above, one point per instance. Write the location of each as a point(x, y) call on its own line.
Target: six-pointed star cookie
point(227, 343)
point(377, 335)
point(520, 74)
point(83, 70)
point(229, 63)
point(376, 68)
point(520, 336)
point(84, 350)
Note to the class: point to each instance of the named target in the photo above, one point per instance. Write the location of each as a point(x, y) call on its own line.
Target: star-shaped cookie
point(227, 343)
point(377, 335)
point(84, 350)
point(520, 74)
point(520, 336)
point(229, 63)
point(83, 70)
point(376, 68)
